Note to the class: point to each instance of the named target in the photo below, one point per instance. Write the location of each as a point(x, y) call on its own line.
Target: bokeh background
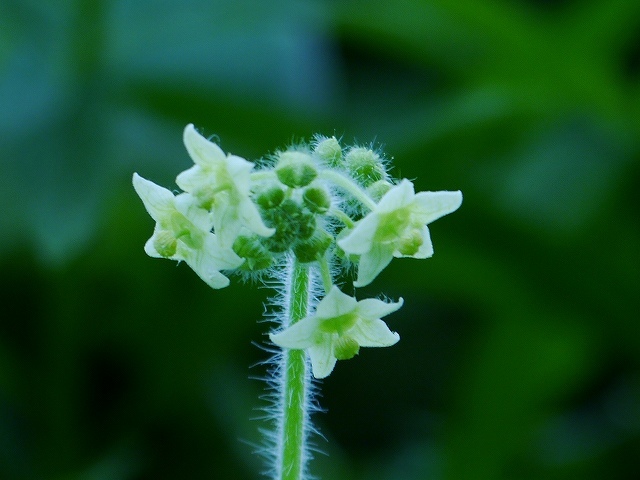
point(520, 345)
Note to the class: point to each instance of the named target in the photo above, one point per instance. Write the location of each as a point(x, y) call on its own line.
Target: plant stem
point(293, 430)
point(349, 186)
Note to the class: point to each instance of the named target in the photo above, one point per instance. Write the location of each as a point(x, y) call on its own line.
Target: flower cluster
point(311, 203)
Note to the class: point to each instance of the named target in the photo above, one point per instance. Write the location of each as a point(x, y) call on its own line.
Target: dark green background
point(520, 338)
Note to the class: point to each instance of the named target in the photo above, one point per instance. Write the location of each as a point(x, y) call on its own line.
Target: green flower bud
point(309, 250)
point(317, 199)
point(365, 166)
point(256, 256)
point(165, 243)
point(378, 189)
point(345, 348)
point(270, 197)
point(330, 151)
point(295, 169)
point(292, 223)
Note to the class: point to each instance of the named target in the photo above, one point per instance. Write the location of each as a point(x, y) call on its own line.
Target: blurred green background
point(520, 348)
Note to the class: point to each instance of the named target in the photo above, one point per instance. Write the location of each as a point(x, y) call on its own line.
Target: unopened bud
point(330, 151)
point(365, 166)
point(317, 199)
point(295, 169)
point(256, 256)
point(270, 197)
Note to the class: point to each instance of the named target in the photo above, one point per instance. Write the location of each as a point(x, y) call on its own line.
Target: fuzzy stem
point(349, 186)
point(293, 432)
point(325, 273)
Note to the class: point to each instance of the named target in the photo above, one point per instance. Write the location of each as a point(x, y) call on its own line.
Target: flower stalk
point(293, 430)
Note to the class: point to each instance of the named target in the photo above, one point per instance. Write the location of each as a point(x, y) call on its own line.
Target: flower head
point(337, 330)
point(182, 232)
point(221, 184)
point(397, 227)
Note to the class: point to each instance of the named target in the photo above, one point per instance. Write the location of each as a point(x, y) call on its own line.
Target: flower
point(337, 330)
point(221, 184)
point(182, 233)
point(397, 227)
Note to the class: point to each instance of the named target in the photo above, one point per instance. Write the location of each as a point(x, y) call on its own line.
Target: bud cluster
point(310, 202)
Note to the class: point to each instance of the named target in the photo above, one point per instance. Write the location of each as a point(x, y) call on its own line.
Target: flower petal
point(222, 258)
point(335, 304)
point(191, 180)
point(204, 264)
point(397, 197)
point(373, 334)
point(158, 201)
point(301, 334)
point(360, 239)
point(149, 246)
point(252, 220)
point(372, 308)
point(429, 206)
point(426, 249)
point(322, 358)
point(203, 152)
point(227, 224)
point(372, 263)
point(187, 205)
point(239, 170)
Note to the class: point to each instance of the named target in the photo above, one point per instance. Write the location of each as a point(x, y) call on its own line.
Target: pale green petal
point(300, 335)
point(188, 206)
point(239, 170)
point(158, 201)
point(202, 151)
point(372, 308)
point(373, 333)
point(372, 263)
point(397, 197)
point(360, 239)
point(429, 206)
point(149, 247)
point(193, 179)
point(221, 258)
point(335, 304)
point(204, 264)
point(227, 223)
point(426, 249)
point(252, 220)
point(322, 358)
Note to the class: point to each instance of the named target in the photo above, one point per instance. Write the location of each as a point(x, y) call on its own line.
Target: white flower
point(337, 330)
point(182, 233)
point(397, 227)
point(222, 185)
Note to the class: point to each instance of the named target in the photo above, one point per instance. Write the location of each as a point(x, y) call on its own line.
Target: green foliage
point(520, 342)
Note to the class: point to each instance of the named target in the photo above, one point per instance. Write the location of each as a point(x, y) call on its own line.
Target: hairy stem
point(293, 431)
point(349, 186)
